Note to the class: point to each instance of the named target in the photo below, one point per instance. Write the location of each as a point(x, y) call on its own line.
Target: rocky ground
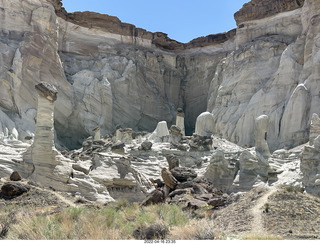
point(264, 212)
point(196, 169)
point(280, 211)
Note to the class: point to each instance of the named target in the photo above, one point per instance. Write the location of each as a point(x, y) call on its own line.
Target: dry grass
point(117, 221)
point(196, 230)
point(260, 237)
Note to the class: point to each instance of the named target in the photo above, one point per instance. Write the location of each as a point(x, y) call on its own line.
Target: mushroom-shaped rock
point(47, 90)
point(180, 120)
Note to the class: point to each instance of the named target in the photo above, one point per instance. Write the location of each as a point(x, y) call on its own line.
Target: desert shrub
point(156, 230)
point(294, 189)
point(173, 215)
point(204, 234)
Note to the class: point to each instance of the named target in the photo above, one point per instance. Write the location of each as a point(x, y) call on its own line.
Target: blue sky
point(181, 20)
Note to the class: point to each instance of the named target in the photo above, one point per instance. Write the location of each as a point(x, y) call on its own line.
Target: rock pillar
point(314, 128)
point(180, 120)
point(97, 134)
point(124, 135)
point(46, 166)
point(260, 133)
point(44, 132)
point(43, 151)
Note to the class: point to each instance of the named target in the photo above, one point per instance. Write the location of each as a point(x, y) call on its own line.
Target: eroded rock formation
point(256, 9)
point(260, 134)
point(110, 73)
point(267, 65)
point(43, 164)
point(271, 72)
point(314, 128)
point(204, 124)
point(310, 167)
point(180, 120)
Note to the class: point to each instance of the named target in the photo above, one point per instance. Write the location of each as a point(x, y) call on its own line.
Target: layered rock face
point(274, 71)
point(100, 67)
point(109, 73)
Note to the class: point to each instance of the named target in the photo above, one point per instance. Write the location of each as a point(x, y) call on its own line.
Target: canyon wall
point(273, 71)
point(106, 72)
point(111, 73)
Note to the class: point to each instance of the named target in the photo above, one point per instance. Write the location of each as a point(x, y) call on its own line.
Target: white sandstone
point(205, 124)
point(161, 133)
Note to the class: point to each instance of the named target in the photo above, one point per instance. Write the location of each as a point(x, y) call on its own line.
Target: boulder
point(221, 170)
point(180, 146)
point(173, 161)
point(97, 135)
point(168, 178)
point(155, 197)
point(15, 176)
point(118, 147)
point(47, 90)
point(86, 144)
point(175, 134)
point(13, 189)
point(124, 135)
point(146, 146)
point(253, 170)
point(199, 189)
point(180, 192)
point(196, 204)
point(157, 182)
point(196, 187)
point(217, 201)
point(200, 143)
point(83, 166)
point(183, 174)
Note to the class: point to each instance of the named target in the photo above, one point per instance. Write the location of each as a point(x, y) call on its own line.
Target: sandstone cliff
point(273, 71)
point(109, 73)
point(100, 67)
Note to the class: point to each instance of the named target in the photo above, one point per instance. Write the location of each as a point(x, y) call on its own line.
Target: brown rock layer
point(259, 9)
point(255, 9)
point(114, 25)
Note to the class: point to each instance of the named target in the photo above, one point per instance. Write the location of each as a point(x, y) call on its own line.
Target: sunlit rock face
point(106, 72)
point(110, 73)
point(256, 86)
point(29, 55)
point(273, 71)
